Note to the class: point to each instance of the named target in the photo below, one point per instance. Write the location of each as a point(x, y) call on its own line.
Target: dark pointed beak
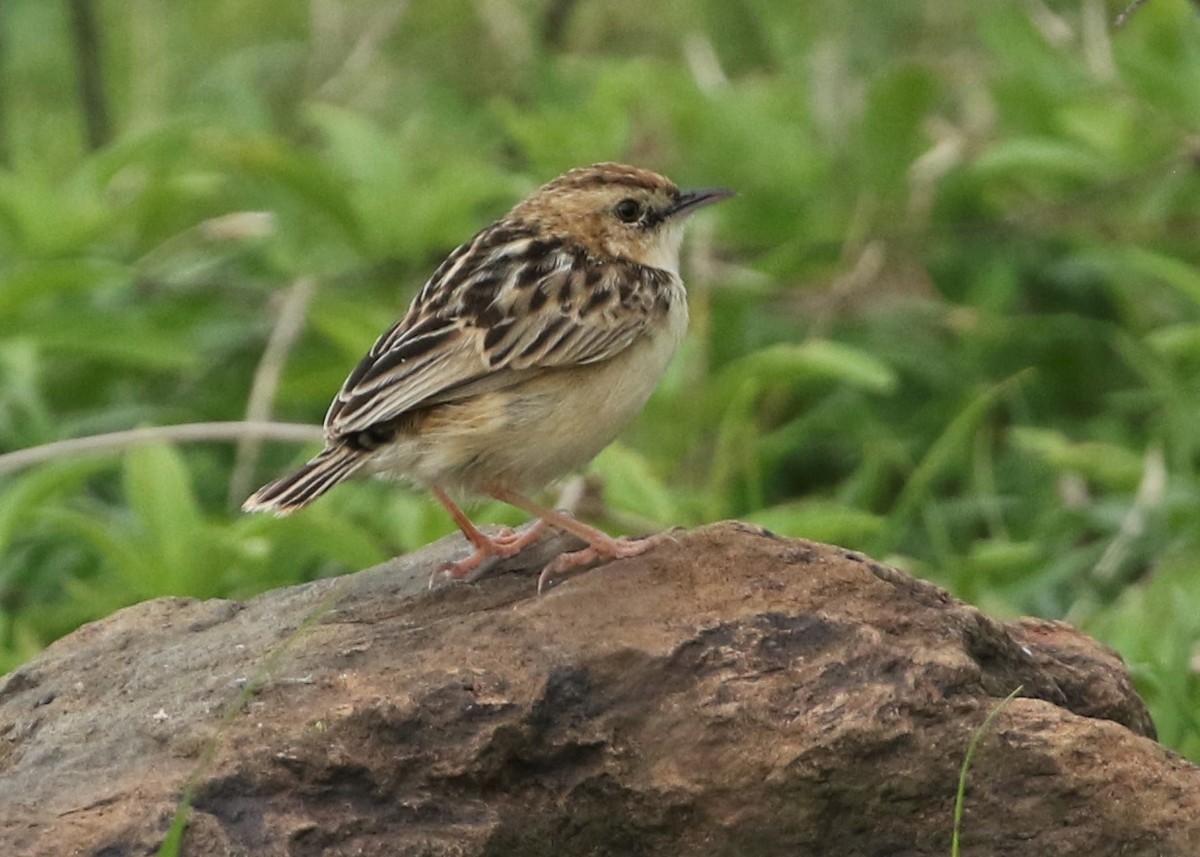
point(690, 200)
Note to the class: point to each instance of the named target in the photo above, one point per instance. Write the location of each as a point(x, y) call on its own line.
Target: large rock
point(730, 694)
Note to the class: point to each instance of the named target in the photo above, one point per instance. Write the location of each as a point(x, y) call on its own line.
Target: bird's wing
point(495, 313)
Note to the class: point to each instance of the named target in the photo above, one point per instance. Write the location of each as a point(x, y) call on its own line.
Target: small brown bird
point(531, 346)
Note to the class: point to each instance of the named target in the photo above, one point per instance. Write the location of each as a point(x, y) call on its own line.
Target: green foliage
point(952, 320)
point(960, 796)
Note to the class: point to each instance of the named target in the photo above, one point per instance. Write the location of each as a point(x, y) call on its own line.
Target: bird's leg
point(506, 543)
point(600, 544)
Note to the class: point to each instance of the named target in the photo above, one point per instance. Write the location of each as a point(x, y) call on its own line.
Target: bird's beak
point(690, 200)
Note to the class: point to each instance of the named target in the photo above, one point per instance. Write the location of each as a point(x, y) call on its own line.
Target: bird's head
point(617, 211)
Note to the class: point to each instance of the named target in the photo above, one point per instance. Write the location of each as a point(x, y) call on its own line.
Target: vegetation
point(953, 319)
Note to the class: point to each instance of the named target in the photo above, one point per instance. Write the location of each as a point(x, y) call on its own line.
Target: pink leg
point(600, 544)
point(506, 544)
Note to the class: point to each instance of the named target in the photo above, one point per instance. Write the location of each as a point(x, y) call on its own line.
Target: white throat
point(664, 253)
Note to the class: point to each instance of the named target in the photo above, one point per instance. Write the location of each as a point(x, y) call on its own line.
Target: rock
point(731, 694)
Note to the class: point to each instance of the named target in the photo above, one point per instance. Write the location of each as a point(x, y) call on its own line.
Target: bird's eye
point(629, 210)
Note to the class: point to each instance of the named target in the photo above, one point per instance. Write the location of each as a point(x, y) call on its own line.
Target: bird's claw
point(621, 548)
point(506, 543)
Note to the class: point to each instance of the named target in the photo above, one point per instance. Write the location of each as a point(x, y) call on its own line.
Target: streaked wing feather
point(509, 310)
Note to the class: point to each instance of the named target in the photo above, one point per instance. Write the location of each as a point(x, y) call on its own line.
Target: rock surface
point(731, 694)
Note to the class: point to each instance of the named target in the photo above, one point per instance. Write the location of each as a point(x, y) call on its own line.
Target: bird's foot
point(601, 549)
point(521, 539)
point(504, 544)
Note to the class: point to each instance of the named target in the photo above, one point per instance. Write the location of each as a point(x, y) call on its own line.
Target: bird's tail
point(296, 490)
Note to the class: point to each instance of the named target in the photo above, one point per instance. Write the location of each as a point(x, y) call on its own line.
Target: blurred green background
point(953, 319)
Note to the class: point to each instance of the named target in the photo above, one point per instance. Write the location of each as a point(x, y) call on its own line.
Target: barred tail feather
point(296, 490)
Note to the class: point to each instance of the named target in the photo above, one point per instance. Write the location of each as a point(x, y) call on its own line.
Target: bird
point(525, 353)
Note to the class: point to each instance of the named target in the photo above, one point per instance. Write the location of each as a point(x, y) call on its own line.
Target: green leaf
point(319, 536)
point(787, 363)
point(893, 136)
point(992, 561)
point(1176, 340)
point(38, 281)
point(158, 489)
point(951, 446)
point(21, 498)
point(1110, 465)
point(129, 342)
point(630, 483)
point(1030, 158)
point(1141, 262)
point(300, 172)
point(123, 554)
point(820, 520)
point(50, 219)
